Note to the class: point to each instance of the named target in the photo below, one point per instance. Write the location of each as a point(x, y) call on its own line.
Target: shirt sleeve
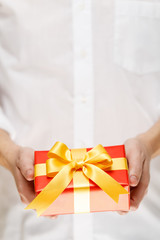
point(6, 125)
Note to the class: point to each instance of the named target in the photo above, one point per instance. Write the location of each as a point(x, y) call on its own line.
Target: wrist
point(12, 155)
point(147, 143)
point(9, 151)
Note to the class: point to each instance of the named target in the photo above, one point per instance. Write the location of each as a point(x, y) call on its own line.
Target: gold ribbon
point(63, 163)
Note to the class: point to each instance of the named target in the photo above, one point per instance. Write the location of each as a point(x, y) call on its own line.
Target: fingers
point(135, 159)
point(122, 212)
point(26, 163)
point(138, 193)
point(24, 174)
point(52, 217)
point(138, 161)
point(25, 188)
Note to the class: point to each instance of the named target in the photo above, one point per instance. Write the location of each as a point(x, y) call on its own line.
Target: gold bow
point(62, 164)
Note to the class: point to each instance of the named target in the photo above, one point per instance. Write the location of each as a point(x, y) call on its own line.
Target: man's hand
point(22, 168)
point(138, 154)
point(20, 162)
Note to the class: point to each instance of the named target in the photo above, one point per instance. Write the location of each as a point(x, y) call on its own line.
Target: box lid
point(121, 176)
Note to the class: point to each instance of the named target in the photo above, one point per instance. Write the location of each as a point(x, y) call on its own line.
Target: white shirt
point(82, 72)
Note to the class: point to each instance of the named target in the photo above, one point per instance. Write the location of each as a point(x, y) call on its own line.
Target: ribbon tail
point(54, 188)
point(104, 181)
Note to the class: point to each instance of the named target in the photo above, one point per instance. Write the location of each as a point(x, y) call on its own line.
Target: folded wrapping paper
point(82, 194)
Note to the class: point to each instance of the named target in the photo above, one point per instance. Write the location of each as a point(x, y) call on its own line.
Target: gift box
point(83, 195)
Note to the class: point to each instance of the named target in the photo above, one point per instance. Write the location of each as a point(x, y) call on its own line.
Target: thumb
point(26, 163)
point(135, 163)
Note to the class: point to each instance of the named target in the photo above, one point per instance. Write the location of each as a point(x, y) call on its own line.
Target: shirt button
point(83, 53)
point(83, 99)
point(81, 6)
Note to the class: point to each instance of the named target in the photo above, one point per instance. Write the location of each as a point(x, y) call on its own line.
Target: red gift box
point(82, 197)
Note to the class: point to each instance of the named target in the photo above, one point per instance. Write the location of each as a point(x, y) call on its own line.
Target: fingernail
point(29, 173)
point(133, 180)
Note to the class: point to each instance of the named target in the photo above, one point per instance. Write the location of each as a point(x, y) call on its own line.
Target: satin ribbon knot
point(78, 165)
point(78, 158)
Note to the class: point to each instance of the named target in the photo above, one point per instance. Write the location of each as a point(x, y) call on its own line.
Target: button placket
point(83, 95)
